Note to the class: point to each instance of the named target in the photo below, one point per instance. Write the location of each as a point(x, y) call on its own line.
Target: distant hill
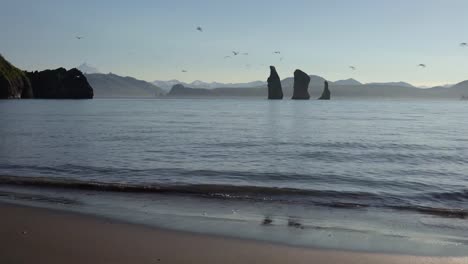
point(167, 85)
point(180, 90)
point(112, 85)
point(87, 69)
point(347, 82)
point(400, 84)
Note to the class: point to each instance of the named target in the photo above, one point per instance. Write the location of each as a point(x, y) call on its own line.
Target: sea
point(376, 175)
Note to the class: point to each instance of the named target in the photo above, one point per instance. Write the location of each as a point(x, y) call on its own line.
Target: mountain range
point(112, 85)
point(167, 85)
point(340, 89)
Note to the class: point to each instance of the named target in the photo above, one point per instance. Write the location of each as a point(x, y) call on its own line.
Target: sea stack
point(275, 91)
point(301, 86)
point(326, 93)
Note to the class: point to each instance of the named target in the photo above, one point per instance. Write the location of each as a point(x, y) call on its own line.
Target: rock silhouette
point(60, 84)
point(13, 82)
point(301, 86)
point(275, 91)
point(326, 95)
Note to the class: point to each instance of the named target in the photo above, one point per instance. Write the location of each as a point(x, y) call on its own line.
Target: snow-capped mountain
point(88, 69)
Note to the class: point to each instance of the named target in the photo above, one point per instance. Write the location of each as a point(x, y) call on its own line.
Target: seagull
point(352, 68)
point(184, 70)
point(422, 65)
point(235, 53)
point(227, 57)
point(276, 52)
point(79, 37)
point(200, 29)
point(464, 44)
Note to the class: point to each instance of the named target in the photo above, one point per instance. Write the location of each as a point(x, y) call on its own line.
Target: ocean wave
point(274, 178)
point(326, 198)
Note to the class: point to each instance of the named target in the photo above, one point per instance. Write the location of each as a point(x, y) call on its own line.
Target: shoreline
point(37, 235)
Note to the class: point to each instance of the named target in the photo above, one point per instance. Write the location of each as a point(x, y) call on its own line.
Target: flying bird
point(200, 29)
point(276, 52)
point(79, 37)
point(352, 68)
point(422, 65)
point(184, 70)
point(235, 53)
point(464, 44)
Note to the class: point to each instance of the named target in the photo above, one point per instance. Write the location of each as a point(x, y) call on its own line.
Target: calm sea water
point(281, 160)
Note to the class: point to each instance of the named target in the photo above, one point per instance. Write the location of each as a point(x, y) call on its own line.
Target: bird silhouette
point(235, 53)
point(184, 70)
point(276, 52)
point(352, 68)
point(79, 37)
point(464, 44)
point(200, 29)
point(422, 65)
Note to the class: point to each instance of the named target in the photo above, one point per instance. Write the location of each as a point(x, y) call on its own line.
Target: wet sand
point(35, 235)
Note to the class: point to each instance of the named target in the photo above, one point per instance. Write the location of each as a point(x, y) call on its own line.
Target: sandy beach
point(35, 235)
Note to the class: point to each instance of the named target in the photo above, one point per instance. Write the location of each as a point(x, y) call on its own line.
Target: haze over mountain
point(112, 86)
point(350, 81)
point(401, 84)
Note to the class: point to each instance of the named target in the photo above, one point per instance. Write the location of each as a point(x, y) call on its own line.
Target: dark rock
point(301, 86)
point(295, 224)
point(60, 84)
point(326, 95)
point(180, 90)
point(13, 82)
point(275, 91)
point(267, 221)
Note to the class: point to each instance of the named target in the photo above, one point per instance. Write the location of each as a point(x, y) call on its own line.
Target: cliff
point(13, 82)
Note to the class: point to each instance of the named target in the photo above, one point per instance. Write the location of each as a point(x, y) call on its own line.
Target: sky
point(156, 40)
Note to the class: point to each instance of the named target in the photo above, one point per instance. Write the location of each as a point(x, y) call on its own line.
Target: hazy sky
point(153, 39)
